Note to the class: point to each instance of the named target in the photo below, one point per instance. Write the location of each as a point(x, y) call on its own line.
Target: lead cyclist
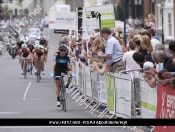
point(61, 64)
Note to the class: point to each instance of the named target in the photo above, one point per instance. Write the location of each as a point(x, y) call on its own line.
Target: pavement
point(26, 98)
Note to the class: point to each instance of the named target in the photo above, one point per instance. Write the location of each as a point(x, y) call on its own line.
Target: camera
point(93, 14)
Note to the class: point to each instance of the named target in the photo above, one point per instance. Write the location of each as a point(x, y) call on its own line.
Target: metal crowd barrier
point(115, 91)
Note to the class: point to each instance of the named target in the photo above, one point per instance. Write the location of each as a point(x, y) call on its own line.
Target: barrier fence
point(116, 92)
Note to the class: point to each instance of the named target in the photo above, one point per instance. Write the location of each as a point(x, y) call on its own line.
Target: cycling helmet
point(24, 46)
point(37, 47)
point(41, 46)
point(62, 47)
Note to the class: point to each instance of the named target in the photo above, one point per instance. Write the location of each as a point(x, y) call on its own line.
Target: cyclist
point(61, 64)
point(31, 47)
point(24, 52)
point(18, 44)
point(45, 44)
point(39, 52)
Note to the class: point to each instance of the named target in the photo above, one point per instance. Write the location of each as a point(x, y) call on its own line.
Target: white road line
point(26, 91)
point(33, 99)
point(9, 112)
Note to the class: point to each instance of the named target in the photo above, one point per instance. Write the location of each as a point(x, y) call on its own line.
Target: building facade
point(168, 19)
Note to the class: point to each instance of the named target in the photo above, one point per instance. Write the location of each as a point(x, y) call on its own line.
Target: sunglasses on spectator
point(62, 51)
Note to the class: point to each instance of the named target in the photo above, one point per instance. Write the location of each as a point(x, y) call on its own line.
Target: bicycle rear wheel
point(25, 69)
point(31, 67)
point(38, 73)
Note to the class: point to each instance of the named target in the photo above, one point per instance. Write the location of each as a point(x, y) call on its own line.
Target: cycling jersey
point(25, 52)
point(39, 53)
point(62, 64)
point(31, 47)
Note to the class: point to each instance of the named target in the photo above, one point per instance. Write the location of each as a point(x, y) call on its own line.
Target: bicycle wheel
point(65, 105)
point(38, 74)
point(31, 67)
point(25, 69)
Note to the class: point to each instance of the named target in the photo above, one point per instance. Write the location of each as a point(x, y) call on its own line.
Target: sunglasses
point(62, 50)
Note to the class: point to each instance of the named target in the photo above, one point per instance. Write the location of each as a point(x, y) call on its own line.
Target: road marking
point(9, 112)
point(26, 91)
point(33, 99)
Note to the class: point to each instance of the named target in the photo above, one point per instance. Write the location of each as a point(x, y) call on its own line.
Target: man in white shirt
point(131, 65)
point(130, 21)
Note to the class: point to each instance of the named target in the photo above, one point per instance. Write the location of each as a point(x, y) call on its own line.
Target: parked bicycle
point(63, 83)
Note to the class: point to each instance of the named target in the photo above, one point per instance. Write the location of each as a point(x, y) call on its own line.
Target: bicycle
point(31, 67)
point(63, 83)
point(25, 66)
point(38, 73)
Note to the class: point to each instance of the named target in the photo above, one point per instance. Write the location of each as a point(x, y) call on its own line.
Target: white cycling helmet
point(41, 46)
point(38, 47)
point(24, 46)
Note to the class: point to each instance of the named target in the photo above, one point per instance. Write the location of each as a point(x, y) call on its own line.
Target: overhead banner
point(56, 7)
point(107, 16)
point(63, 8)
point(148, 100)
point(165, 107)
point(65, 20)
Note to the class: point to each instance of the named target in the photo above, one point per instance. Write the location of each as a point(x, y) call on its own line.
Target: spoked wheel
point(25, 69)
point(65, 105)
point(38, 75)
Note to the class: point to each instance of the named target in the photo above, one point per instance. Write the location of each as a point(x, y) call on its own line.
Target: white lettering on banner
point(168, 106)
point(65, 19)
point(123, 96)
point(148, 100)
point(148, 95)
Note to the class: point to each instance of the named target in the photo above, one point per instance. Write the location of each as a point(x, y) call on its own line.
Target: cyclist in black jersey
point(61, 64)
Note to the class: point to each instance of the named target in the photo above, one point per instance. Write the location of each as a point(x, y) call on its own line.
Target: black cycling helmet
point(62, 47)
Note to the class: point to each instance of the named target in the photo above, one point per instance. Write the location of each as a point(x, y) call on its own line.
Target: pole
point(99, 15)
point(74, 9)
point(124, 17)
point(162, 28)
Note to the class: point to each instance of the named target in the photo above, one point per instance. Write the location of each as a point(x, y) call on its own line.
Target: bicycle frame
point(25, 66)
point(38, 70)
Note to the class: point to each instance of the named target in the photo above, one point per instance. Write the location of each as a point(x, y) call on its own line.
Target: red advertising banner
point(165, 107)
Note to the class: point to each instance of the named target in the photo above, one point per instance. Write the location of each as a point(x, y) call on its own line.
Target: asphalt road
point(26, 98)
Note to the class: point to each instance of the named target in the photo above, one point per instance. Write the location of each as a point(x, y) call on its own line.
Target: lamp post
point(162, 5)
point(124, 17)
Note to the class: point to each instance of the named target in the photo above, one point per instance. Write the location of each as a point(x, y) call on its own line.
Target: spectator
point(131, 65)
point(159, 47)
point(97, 33)
point(151, 22)
point(147, 43)
point(139, 58)
point(80, 52)
point(154, 41)
point(113, 51)
point(130, 21)
point(79, 37)
point(137, 23)
point(138, 43)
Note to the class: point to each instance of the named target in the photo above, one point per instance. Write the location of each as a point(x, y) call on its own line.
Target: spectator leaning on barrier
point(113, 51)
point(138, 43)
point(131, 65)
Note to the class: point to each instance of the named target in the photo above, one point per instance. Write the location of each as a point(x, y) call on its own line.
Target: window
point(170, 24)
point(11, 1)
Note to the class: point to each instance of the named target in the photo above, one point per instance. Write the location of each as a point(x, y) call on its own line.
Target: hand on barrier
point(52, 75)
point(73, 75)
